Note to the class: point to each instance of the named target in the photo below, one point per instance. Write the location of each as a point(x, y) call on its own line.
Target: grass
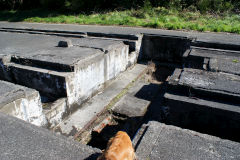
point(153, 18)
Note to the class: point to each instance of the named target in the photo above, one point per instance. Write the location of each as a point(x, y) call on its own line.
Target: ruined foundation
point(177, 96)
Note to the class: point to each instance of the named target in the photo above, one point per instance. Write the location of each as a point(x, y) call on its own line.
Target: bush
point(92, 5)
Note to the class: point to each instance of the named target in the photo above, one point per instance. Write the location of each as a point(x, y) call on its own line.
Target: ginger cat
point(119, 147)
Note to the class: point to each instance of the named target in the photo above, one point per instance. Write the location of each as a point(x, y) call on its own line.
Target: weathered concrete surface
point(203, 115)
point(220, 86)
point(228, 65)
point(135, 103)
point(55, 111)
point(130, 106)
point(212, 53)
point(227, 38)
point(44, 48)
point(158, 141)
point(21, 102)
point(164, 48)
point(97, 104)
point(23, 141)
point(196, 56)
point(76, 72)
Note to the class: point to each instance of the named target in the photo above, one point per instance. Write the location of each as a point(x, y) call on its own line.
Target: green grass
point(153, 18)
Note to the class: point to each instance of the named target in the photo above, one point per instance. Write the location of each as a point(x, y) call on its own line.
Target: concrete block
point(56, 111)
point(196, 82)
point(130, 106)
point(159, 141)
point(201, 42)
point(75, 72)
point(21, 102)
point(227, 65)
point(195, 58)
point(203, 115)
point(22, 141)
point(66, 43)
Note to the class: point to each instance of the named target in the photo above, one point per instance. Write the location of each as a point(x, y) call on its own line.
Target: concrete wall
point(28, 108)
point(164, 48)
point(91, 76)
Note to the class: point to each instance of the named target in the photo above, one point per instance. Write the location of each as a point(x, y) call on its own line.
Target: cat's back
point(120, 148)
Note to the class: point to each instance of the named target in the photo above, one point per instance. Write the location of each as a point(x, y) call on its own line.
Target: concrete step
point(199, 83)
point(89, 112)
point(75, 72)
point(20, 140)
point(203, 115)
point(198, 57)
point(159, 141)
point(21, 102)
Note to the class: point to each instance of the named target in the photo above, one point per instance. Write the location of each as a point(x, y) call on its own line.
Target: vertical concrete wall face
point(84, 81)
point(164, 48)
point(22, 103)
point(40, 79)
point(117, 61)
point(57, 111)
point(90, 76)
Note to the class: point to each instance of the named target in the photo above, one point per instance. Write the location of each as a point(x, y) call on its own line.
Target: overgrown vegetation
point(99, 5)
point(200, 15)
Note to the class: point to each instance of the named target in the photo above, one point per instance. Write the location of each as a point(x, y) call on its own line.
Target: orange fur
point(119, 148)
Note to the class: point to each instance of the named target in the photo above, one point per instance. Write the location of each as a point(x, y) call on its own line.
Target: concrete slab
point(227, 65)
point(23, 141)
point(227, 38)
point(212, 53)
point(220, 86)
point(21, 102)
point(136, 101)
point(97, 104)
point(130, 106)
point(75, 72)
point(203, 115)
point(44, 48)
point(197, 56)
point(159, 141)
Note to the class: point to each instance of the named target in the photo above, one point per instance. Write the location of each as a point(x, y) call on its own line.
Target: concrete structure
point(221, 60)
point(81, 119)
point(77, 73)
point(207, 84)
point(20, 140)
point(56, 73)
point(159, 141)
point(205, 101)
point(21, 102)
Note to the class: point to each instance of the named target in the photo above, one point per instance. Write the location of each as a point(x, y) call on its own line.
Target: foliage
point(156, 17)
point(99, 5)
